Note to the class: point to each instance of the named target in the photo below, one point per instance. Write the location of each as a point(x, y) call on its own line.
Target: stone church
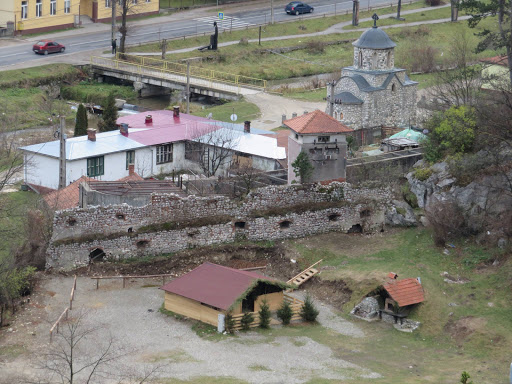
point(372, 92)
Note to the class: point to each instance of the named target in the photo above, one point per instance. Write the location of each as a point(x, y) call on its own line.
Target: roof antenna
point(375, 18)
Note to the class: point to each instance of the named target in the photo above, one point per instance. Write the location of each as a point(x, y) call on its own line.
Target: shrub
point(464, 377)
point(246, 321)
point(308, 311)
point(408, 196)
point(446, 220)
point(230, 323)
point(422, 174)
point(315, 47)
point(109, 117)
point(264, 314)
point(244, 41)
point(81, 121)
point(285, 313)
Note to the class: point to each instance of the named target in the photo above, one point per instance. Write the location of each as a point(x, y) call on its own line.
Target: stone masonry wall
point(267, 214)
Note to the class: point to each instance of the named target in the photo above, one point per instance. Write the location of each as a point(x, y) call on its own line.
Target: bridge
point(149, 71)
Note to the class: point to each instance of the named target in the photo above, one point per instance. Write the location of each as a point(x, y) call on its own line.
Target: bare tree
point(459, 84)
point(11, 159)
point(79, 353)
point(126, 8)
point(214, 148)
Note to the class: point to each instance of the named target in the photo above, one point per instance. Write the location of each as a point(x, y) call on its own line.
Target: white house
point(157, 143)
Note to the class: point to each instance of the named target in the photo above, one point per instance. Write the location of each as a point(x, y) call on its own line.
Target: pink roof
point(213, 284)
point(164, 128)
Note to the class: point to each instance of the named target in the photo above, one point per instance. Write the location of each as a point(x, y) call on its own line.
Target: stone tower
point(372, 92)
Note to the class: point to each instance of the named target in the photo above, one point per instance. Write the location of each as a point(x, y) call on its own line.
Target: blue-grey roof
point(364, 86)
point(80, 147)
point(347, 98)
point(374, 38)
point(240, 127)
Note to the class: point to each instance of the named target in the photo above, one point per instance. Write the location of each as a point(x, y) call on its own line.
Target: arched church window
point(336, 115)
point(340, 116)
point(360, 60)
point(374, 60)
point(389, 60)
point(393, 88)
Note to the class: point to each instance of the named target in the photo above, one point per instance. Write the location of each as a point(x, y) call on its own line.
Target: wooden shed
point(211, 289)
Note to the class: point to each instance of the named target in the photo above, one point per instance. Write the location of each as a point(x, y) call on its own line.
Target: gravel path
point(132, 318)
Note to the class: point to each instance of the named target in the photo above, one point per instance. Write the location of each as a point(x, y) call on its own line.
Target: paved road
point(97, 36)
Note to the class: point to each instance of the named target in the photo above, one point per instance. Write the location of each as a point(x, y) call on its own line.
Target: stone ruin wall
point(269, 213)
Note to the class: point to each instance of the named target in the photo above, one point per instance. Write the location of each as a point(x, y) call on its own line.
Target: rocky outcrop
point(485, 203)
point(368, 309)
point(400, 214)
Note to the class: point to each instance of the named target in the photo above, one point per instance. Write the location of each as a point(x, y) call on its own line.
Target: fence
point(295, 304)
point(98, 278)
point(55, 326)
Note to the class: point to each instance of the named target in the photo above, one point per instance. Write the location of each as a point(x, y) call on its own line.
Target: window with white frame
point(164, 153)
point(107, 3)
point(39, 8)
point(53, 7)
point(130, 158)
point(24, 9)
point(67, 6)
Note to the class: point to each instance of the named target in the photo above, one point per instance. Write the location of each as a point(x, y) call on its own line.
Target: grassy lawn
point(12, 218)
point(92, 92)
point(44, 74)
point(305, 94)
point(472, 335)
point(298, 27)
point(243, 109)
point(434, 14)
point(185, 3)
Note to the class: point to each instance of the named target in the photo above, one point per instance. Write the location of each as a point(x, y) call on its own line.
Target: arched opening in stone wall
point(120, 216)
point(360, 59)
point(96, 255)
point(130, 230)
point(334, 217)
point(142, 243)
point(388, 60)
point(240, 224)
point(285, 224)
point(393, 88)
point(356, 228)
point(375, 60)
point(71, 221)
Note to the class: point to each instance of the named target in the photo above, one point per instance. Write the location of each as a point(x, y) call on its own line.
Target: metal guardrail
point(174, 71)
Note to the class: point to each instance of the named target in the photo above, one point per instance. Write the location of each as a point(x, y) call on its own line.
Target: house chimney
point(330, 89)
point(294, 115)
point(247, 126)
point(91, 134)
point(392, 275)
point(149, 119)
point(305, 112)
point(176, 111)
point(123, 129)
point(131, 169)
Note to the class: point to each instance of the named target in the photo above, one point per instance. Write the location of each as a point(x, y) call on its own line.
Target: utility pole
point(271, 11)
point(188, 87)
point(62, 156)
point(113, 3)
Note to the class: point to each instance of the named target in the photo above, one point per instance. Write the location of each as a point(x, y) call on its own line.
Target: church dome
point(374, 38)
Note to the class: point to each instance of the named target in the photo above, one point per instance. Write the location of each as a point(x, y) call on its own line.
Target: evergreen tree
point(264, 313)
point(109, 117)
point(308, 311)
point(81, 121)
point(302, 167)
point(246, 321)
point(285, 313)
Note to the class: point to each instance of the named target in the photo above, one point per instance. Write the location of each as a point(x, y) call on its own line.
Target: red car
point(48, 46)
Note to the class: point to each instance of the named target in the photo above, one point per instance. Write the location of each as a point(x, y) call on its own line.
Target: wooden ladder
point(305, 275)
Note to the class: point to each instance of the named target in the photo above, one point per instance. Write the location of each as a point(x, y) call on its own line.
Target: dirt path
point(153, 339)
point(272, 108)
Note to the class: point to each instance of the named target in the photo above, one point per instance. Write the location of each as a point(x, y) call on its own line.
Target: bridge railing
point(210, 74)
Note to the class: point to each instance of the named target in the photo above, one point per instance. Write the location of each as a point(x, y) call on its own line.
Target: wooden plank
point(300, 275)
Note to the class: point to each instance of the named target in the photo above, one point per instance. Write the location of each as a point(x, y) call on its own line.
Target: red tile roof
point(498, 60)
point(213, 284)
point(316, 122)
point(405, 292)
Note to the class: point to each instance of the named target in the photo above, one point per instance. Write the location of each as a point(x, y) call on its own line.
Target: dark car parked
point(296, 7)
point(48, 46)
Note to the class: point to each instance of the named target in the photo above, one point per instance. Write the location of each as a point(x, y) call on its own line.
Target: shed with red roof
point(404, 292)
point(211, 289)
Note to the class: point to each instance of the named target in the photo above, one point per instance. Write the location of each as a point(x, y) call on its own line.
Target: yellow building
point(34, 16)
point(101, 10)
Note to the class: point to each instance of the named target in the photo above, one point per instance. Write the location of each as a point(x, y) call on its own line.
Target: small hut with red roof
point(211, 289)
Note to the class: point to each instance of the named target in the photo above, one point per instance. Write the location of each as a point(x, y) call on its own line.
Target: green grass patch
point(173, 356)
point(259, 368)
point(183, 4)
point(13, 207)
point(203, 380)
point(432, 14)
point(45, 74)
point(306, 94)
point(97, 93)
point(473, 335)
point(11, 351)
point(243, 109)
